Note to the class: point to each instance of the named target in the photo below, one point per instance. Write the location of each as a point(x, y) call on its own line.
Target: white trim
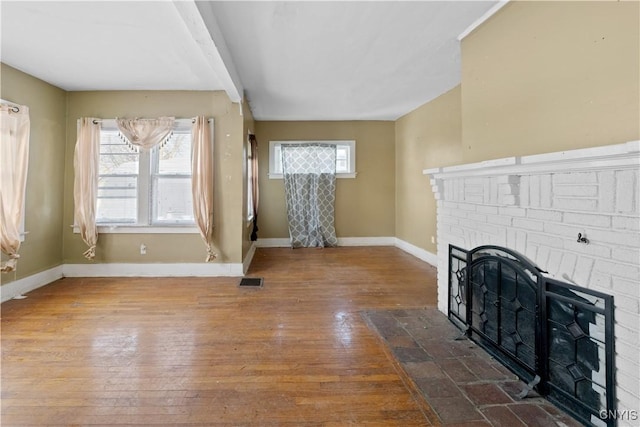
point(422, 254)
point(488, 14)
point(248, 258)
point(29, 283)
point(338, 175)
point(154, 270)
point(351, 143)
point(284, 242)
point(366, 241)
point(273, 243)
point(626, 155)
point(141, 229)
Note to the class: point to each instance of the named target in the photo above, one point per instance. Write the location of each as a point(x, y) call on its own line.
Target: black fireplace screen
point(553, 334)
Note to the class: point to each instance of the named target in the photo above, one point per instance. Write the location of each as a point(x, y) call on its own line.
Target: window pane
point(342, 159)
point(171, 186)
point(117, 199)
point(344, 153)
point(117, 180)
point(116, 157)
point(175, 155)
point(173, 201)
point(277, 159)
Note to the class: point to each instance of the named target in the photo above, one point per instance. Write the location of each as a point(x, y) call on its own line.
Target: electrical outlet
point(143, 249)
point(433, 239)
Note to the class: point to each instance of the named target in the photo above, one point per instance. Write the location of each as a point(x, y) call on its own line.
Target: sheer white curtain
point(85, 186)
point(202, 182)
point(14, 160)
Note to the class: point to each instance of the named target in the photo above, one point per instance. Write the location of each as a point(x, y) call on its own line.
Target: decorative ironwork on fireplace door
point(554, 335)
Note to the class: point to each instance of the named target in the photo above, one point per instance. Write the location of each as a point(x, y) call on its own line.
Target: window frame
point(248, 156)
point(146, 171)
point(351, 144)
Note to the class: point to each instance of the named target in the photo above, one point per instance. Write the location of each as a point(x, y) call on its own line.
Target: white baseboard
point(366, 241)
point(248, 258)
point(342, 241)
point(154, 270)
point(273, 243)
point(417, 252)
point(29, 283)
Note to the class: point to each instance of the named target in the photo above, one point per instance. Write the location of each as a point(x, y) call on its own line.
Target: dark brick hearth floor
point(463, 384)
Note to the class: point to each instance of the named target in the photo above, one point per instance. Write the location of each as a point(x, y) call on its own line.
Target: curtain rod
point(14, 107)
point(193, 120)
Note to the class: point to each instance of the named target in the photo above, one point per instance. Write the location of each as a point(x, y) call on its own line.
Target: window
point(345, 157)
point(145, 188)
point(248, 164)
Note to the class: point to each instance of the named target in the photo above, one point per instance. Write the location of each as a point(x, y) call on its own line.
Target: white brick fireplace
point(539, 205)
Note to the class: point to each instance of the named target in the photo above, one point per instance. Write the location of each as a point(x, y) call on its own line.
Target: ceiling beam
point(206, 33)
point(488, 14)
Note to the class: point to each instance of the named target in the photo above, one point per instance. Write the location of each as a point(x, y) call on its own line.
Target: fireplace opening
point(555, 336)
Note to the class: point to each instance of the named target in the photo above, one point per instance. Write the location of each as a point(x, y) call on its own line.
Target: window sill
point(338, 175)
point(137, 229)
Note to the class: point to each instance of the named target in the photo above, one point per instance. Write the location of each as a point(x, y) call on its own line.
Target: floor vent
point(251, 282)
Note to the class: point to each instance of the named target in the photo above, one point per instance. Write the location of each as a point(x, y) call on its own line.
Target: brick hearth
point(458, 379)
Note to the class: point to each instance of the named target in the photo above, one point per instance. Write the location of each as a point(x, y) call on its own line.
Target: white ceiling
point(293, 60)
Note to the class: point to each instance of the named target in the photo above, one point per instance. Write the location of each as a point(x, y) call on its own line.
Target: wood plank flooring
point(203, 351)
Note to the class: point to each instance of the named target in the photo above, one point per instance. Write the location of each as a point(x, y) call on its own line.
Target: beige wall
point(549, 76)
point(42, 248)
point(364, 205)
point(228, 176)
point(430, 136)
point(536, 77)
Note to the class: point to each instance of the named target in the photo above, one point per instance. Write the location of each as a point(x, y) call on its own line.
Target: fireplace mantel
point(576, 214)
point(625, 155)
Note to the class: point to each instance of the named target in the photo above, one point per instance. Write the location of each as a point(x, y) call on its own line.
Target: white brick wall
point(537, 205)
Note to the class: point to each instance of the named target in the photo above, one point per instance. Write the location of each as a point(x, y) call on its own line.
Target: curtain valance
point(146, 133)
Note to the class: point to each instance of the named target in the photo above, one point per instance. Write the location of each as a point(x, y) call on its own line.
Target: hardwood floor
point(203, 351)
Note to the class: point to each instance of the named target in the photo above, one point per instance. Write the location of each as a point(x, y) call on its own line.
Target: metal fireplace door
point(503, 305)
